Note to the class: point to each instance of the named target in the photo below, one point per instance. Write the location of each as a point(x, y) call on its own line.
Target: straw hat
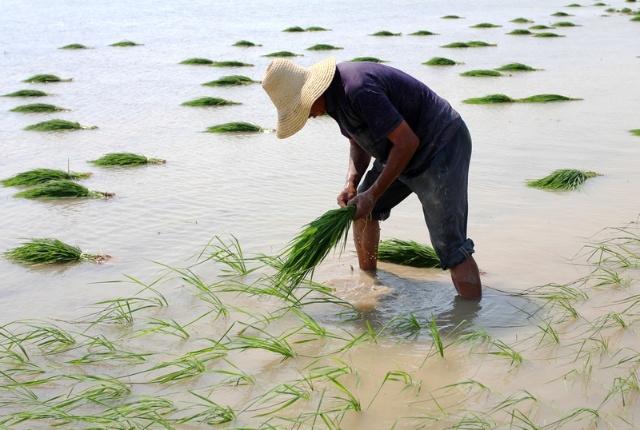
point(293, 89)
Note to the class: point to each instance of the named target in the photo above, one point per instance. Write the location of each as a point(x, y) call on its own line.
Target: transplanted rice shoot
point(368, 60)
point(470, 44)
point(407, 253)
point(124, 44)
point(209, 101)
point(423, 33)
point(37, 108)
point(229, 81)
point(57, 125)
point(49, 251)
point(312, 245)
point(385, 33)
point(451, 17)
point(521, 21)
point(197, 61)
point(323, 47)
point(245, 44)
point(562, 180)
point(316, 28)
point(516, 67)
point(283, 54)
point(519, 32)
point(481, 73)
point(60, 189)
point(486, 25)
point(73, 46)
point(230, 64)
point(40, 176)
point(26, 93)
point(235, 127)
point(44, 79)
point(440, 61)
point(295, 29)
point(502, 98)
point(547, 34)
point(125, 159)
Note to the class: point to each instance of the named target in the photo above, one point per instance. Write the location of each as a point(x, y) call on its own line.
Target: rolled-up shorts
point(442, 190)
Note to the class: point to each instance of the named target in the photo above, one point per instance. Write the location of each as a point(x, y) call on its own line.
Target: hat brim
point(319, 78)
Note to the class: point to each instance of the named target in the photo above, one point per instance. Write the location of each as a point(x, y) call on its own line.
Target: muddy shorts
point(442, 190)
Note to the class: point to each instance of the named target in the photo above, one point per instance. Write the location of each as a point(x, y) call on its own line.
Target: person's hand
point(364, 202)
point(345, 195)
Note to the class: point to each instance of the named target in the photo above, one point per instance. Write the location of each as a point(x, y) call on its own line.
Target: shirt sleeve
point(377, 111)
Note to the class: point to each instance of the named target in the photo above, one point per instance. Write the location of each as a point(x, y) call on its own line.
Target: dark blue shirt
point(369, 100)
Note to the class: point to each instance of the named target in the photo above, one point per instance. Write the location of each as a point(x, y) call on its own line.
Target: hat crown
point(283, 82)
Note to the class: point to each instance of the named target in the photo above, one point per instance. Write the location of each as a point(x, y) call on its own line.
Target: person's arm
point(358, 163)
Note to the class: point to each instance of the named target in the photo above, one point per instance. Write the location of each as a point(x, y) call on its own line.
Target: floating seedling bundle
point(235, 127)
point(197, 61)
point(385, 33)
point(368, 60)
point(40, 176)
point(323, 47)
point(407, 253)
point(45, 79)
point(73, 46)
point(451, 17)
point(547, 34)
point(516, 67)
point(294, 29)
point(540, 27)
point(37, 108)
point(423, 33)
point(502, 98)
point(60, 189)
point(486, 25)
point(440, 61)
point(58, 125)
point(481, 73)
point(283, 54)
point(125, 159)
point(50, 251)
point(125, 44)
point(245, 44)
point(230, 80)
point(562, 180)
point(316, 28)
point(209, 101)
point(26, 93)
point(230, 64)
point(635, 132)
point(521, 21)
point(470, 44)
point(312, 245)
point(565, 24)
point(519, 32)
point(561, 14)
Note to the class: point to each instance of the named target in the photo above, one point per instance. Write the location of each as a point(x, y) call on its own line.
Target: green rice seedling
point(209, 101)
point(37, 108)
point(549, 332)
point(277, 345)
point(437, 339)
point(245, 44)
point(197, 61)
point(485, 25)
point(385, 33)
point(547, 34)
point(121, 310)
point(540, 27)
point(470, 44)
point(210, 413)
point(576, 415)
point(60, 189)
point(440, 61)
point(423, 33)
point(124, 44)
point(48, 251)
point(230, 80)
point(230, 64)
point(281, 54)
point(451, 17)
point(39, 176)
point(323, 47)
point(280, 397)
point(476, 421)
point(295, 29)
point(519, 32)
point(316, 28)
point(393, 376)
point(516, 67)
point(514, 399)
point(74, 46)
point(408, 253)
point(505, 351)
point(49, 338)
point(58, 125)
point(635, 132)
point(624, 386)
point(368, 60)
point(125, 159)
point(561, 14)
point(546, 98)
point(44, 79)
point(521, 21)
point(170, 327)
point(205, 290)
point(490, 99)
point(312, 245)
point(230, 254)
point(481, 73)
point(26, 93)
point(599, 4)
point(235, 127)
point(351, 401)
point(562, 180)
point(636, 18)
point(564, 24)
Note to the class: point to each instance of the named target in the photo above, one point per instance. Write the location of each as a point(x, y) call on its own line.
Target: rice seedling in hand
point(58, 125)
point(230, 64)
point(125, 159)
point(521, 21)
point(230, 80)
point(209, 101)
point(547, 34)
point(422, 33)
point(490, 99)
point(407, 253)
point(74, 46)
point(316, 28)
point(385, 33)
point(440, 61)
point(323, 47)
point(368, 59)
point(562, 180)
point(451, 17)
point(635, 132)
point(516, 67)
point(235, 127)
point(37, 108)
point(60, 189)
point(546, 98)
point(124, 44)
point(540, 27)
point(564, 24)
point(197, 61)
point(44, 79)
point(281, 54)
point(485, 25)
point(481, 73)
point(560, 14)
point(519, 32)
point(470, 44)
point(312, 245)
point(26, 93)
point(39, 176)
point(294, 29)
point(48, 251)
point(245, 44)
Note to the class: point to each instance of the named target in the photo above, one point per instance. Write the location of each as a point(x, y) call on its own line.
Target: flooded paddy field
point(170, 332)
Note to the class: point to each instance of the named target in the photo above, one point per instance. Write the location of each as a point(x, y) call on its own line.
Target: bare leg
point(366, 234)
point(466, 278)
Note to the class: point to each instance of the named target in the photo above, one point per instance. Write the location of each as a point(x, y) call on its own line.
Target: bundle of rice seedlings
point(124, 44)
point(490, 99)
point(235, 127)
point(547, 34)
point(58, 125)
point(501, 98)
point(368, 59)
point(562, 180)
point(470, 44)
point(294, 29)
point(49, 251)
point(422, 33)
point(37, 108)
point(407, 253)
point(44, 79)
point(599, 4)
point(565, 24)
point(451, 17)
point(209, 101)
point(26, 93)
point(40, 176)
point(521, 21)
point(574, 5)
point(60, 189)
point(635, 132)
point(125, 159)
point(486, 25)
point(546, 98)
point(323, 47)
point(481, 73)
point(245, 44)
point(197, 61)
point(440, 61)
point(74, 46)
point(540, 27)
point(316, 28)
point(519, 32)
point(636, 18)
point(516, 67)
point(230, 80)
point(561, 14)
point(230, 64)
point(385, 33)
point(312, 244)
point(283, 54)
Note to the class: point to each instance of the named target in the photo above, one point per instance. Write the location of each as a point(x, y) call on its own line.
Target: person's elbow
point(404, 139)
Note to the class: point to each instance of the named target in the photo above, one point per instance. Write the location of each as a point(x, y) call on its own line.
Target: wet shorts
point(442, 190)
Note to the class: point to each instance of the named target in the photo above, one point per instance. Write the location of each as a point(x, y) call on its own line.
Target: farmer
point(420, 144)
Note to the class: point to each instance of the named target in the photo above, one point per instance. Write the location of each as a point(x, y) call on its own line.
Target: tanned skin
point(366, 231)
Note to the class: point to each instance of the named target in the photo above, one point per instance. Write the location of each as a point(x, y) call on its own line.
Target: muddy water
point(262, 190)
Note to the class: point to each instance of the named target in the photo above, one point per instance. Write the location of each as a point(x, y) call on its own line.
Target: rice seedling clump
point(599, 4)
point(547, 34)
point(124, 44)
point(516, 67)
point(26, 93)
point(440, 61)
point(323, 47)
point(44, 79)
point(125, 159)
point(470, 44)
point(521, 21)
point(546, 98)
point(316, 28)
point(282, 54)
point(40, 176)
point(635, 132)
point(574, 5)
point(385, 33)
point(230, 80)
point(636, 18)
point(540, 27)
point(562, 180)
point(197, 61)
point(501, 98)
point(490, 99)
point(486, 25)
point(519, 32)
point(565, 24)
point(407, 253)
point(368, 59)
point(209, 101)
point(230, 64)
point(423, 33)
point(60, 189)
point(235, 127)
point(49, 251)
point(295, 29)
point(451, 17)
point(73, 46)
point(245, 44)
point(481, 73)
point(560, 14)
point(37, 108)
point(57, 125)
